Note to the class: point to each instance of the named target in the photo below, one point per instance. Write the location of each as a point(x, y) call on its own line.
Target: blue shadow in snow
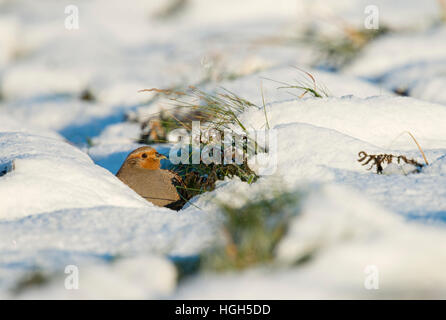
point(80, 133)
point(432, 217)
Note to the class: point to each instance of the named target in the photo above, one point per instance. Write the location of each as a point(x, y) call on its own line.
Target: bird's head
point(145, 158)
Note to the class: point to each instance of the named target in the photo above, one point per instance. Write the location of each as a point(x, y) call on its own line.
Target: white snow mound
point(51, 175)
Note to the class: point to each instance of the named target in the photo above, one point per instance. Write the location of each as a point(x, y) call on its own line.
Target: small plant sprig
point(33, 279)
point(308, 85)
point(172, 8)
point(220, 110)
point(200, 178)
point(337, 52)
point(253, 231)
point(378, 160)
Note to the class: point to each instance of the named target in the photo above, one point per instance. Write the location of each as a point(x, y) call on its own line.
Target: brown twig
point(377, 160)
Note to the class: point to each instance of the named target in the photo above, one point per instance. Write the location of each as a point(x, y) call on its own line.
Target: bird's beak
point(160, 156)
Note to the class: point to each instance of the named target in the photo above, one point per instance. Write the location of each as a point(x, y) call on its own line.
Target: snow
point(8, 34)
point(423, 80)
point(89, 236)
point(61, 205)
point(148, 277)
point(354, 234)
point(396, 14)
point(50, 175)
point(250, 87)
point(378, 120)
point(10, 124)
point(75, 120)
point(395, 51)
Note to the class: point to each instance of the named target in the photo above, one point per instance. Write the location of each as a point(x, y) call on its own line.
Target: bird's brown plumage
point(142, 172)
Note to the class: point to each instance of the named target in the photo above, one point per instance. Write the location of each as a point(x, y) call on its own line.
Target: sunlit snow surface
point(61, 205)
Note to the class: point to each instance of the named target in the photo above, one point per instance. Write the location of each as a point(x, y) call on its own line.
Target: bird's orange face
point(145, 158)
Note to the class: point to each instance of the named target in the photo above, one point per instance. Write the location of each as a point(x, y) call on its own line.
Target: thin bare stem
point(264, 105)
point(419, 147)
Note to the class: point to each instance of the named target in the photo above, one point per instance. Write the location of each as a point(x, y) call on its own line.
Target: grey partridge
point(142, 172)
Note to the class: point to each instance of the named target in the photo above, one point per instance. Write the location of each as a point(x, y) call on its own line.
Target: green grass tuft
point(31, 280)
point(218, 111)
point(306, 85)
point(252, 231)
point(336, 52)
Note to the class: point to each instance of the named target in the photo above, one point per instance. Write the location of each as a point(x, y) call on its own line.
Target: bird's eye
point(144, 155)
